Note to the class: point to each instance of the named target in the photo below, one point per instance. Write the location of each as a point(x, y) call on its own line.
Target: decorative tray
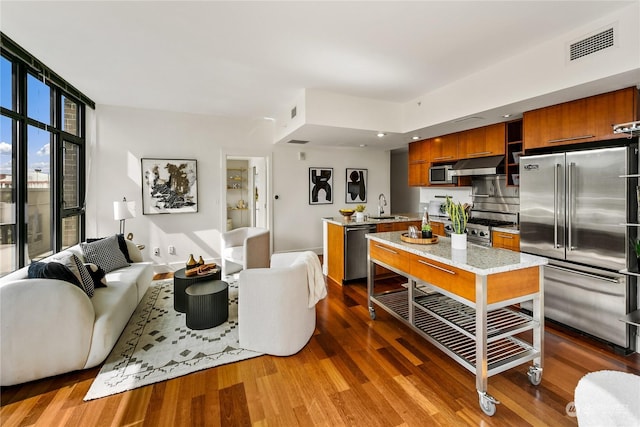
point(419, 241)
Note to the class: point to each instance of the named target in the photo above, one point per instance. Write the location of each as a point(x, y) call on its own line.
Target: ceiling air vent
point(296, 141)
point(591, 44)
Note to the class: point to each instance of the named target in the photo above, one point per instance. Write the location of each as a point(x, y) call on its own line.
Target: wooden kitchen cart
point(462, 302)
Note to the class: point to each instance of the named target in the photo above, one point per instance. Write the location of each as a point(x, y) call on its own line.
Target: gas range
point(479, 226)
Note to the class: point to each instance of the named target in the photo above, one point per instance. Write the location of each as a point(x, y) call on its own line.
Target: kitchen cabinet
point(583, 120)
point(444, 149)
point(437, 228)
point(393, 226)
point(504, 240)
point(419, 164)
point(482, 142)
point(513, 151)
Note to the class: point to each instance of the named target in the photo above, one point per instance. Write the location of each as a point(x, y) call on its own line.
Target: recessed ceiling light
point(506, 116)
point(269, 118)
point(381, 134)
point(363, 145)
point(415, 137)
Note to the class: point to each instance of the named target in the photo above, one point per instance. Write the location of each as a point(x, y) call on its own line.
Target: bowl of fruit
point(346, 213)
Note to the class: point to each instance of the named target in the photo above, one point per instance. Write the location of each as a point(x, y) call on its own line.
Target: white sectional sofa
point(49, 326)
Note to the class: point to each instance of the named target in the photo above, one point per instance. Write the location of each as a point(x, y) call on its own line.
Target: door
point(596, 206)
point(542, 205)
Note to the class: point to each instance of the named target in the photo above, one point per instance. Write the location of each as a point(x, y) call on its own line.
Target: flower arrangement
point(458, 215)
point(360, 208)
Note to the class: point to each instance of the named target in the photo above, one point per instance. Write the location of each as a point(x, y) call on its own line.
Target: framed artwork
point(320, 186)
point(169, 186)
point(356, 186)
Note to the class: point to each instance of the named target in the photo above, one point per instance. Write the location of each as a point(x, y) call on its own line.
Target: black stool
point(207, 304)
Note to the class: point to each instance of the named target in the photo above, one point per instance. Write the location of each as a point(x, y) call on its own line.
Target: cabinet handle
point(573, 138)
point(443, 158)
point(480, 153)
point(437, 267)
point(387, 249)
point(505, 236)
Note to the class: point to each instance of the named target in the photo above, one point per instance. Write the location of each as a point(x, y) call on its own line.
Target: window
point(42, 156)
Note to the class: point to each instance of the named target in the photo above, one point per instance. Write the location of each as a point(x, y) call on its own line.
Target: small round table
point(181, 282)
point(207, 304)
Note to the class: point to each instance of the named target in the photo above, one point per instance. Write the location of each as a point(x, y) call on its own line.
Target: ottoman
point(207, 304)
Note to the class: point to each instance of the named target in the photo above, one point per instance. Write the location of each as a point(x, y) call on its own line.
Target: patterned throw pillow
point(98, 275)
point(104, 253)
point(122, 243)
point(76, 267)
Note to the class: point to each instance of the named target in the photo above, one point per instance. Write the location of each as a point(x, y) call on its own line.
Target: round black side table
point(207, 304)
point(181, 282)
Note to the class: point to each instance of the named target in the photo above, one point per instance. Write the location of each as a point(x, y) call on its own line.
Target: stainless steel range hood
point(481, 166)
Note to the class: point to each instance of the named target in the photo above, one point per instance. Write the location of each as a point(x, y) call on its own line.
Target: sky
point(38, 107)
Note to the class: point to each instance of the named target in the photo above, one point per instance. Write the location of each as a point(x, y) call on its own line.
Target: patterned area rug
point(156, 344)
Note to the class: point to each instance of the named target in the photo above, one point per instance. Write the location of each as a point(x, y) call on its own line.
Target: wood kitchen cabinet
point(419, 164)
point(393, 226)
point(500, 239)
point(482, 142)
point(437, 228)
point(444, 149)
point(583, 120)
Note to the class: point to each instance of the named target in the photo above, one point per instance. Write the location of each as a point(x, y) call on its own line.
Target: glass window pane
point(69, 116)
point(6, 84)
point(38, 100)
point(8, 245)
point(70, 175)
point(70, 231)
point(38, 193)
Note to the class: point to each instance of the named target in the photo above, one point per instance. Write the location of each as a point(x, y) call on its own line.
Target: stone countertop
point(404, 217)
point(476, 259)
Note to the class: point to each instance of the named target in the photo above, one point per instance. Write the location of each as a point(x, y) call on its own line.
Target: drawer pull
point(573, 138)
point(437, 267)
point(386, 249)
point(443, 158)
point(480, 153)
point(505, 236)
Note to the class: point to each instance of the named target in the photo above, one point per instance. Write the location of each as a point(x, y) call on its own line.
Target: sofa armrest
point(45, 329)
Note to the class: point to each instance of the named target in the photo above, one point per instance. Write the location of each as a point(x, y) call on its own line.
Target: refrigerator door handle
point(583, 273)
point(556, 194)
point(570, 205)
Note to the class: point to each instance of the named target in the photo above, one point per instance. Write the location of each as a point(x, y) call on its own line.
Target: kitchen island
point(462, 302)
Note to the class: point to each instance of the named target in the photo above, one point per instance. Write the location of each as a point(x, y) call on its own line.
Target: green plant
point(360, 208)
point(426, 227)
point(458, 215)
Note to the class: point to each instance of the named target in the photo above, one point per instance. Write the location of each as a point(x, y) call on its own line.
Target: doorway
point(246, 192)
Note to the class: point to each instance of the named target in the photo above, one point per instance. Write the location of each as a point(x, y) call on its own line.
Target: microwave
point(441, 174)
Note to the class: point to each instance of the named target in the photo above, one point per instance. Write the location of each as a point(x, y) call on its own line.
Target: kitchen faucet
point(382, 201)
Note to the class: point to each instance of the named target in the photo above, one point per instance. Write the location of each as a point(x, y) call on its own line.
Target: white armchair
point(277, 305)
point(245, 247)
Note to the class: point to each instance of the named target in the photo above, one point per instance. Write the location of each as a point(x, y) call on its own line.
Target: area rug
point(156, 344)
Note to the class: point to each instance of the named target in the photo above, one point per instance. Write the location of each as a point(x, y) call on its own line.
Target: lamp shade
point(124, 210)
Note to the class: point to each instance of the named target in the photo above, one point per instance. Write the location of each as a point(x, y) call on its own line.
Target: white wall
point(297, 224)
point(125, 135)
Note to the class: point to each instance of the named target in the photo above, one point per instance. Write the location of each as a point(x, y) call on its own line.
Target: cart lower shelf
point(457, 340)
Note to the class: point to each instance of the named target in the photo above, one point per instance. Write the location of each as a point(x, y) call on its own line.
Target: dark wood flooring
point(354, 371)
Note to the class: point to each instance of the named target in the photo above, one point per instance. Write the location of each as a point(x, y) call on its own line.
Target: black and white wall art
point(169, 186)
point(320, 186)
point(356, 186)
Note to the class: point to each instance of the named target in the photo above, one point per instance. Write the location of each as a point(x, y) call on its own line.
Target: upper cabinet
point(444, 149)
point(584, 120)
point(419, 163)
point(482, 142)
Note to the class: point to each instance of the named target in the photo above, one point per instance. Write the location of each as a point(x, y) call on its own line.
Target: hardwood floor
point(354, 371)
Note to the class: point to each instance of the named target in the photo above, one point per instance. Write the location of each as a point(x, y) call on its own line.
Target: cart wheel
point(535, 375)
point(488, 404)
point(372, 313)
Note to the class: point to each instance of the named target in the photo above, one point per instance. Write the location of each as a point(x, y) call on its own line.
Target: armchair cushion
point(245, 247)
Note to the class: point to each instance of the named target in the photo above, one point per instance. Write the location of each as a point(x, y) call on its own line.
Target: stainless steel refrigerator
point(572, 209)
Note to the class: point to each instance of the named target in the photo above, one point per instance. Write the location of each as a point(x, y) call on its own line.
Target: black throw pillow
point(122, 244)
point(52, 270)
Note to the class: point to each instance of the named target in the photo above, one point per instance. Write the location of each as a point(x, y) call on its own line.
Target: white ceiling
point(250, 59)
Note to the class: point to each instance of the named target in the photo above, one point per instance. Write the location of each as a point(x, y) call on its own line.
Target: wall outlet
point(172, 250)
point(156, 251)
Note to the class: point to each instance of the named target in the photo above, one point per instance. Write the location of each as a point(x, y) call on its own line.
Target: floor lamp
point(122, 211)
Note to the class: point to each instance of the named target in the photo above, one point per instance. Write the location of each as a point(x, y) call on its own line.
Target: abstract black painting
point(320, 186)
point(356, 191)
point(169, 186)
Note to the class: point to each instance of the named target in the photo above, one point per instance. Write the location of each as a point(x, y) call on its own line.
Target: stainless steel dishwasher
point(355, 250)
